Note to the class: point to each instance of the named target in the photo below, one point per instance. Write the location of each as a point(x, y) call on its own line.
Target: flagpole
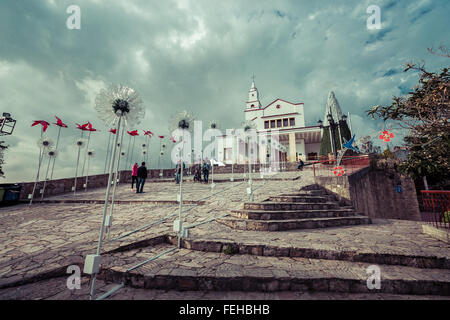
point(56, 149)
point(41, 153)
point(85, 155)
point(116, 178)
point(76, 170)
point(46, 176)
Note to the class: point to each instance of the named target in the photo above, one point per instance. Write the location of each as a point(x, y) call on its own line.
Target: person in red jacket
point(134, 175)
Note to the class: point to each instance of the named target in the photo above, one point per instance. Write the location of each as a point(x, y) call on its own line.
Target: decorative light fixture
point(182, 121)
point(90, 154)
point(51, 154)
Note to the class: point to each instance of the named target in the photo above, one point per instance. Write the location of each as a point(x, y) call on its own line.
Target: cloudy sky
point(200, 55)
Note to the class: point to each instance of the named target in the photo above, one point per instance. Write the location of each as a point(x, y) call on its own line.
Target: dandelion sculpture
point(161, 153)
point(51, 154)
point(213, 125)
point(44, 144)
point(117, 106)
point(248, 126)
point(90, 154)
point(60, 125)
point(181, 122)
point(80, 144)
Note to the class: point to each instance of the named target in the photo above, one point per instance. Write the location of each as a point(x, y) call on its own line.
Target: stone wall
point(373, 192)
point(61, 186)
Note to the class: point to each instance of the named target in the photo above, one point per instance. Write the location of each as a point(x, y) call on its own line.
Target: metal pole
point(180, 224)
point(56, 149)
point(128, 153)
point(85, 154)
point(46, 177)
point(105, 208)
point(87, 173)
point(107, 154)
point(159, 159)
point(41, 152)
point(116, 181)
point(132, 153)
point(76, 170)
point(250, 182)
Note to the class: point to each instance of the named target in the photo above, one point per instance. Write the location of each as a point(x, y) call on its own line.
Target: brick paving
point(38, 242)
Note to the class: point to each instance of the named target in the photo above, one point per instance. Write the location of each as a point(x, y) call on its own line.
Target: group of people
point(198, 169)
point(138, 176)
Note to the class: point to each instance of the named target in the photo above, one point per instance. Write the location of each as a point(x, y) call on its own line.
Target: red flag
point(44, 124)
point(59, 123)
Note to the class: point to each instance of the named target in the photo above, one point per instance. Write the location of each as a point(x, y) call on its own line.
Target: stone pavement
point(37, 243)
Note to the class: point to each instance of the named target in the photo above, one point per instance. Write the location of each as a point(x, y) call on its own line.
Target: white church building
point(280, 118)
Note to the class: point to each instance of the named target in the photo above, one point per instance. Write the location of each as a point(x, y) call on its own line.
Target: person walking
point(134, 175)
point(178, 171)
point(142, 176)
point(301, 164)
point(205, 170)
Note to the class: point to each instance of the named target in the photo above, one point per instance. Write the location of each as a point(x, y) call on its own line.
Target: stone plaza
point(294, 241)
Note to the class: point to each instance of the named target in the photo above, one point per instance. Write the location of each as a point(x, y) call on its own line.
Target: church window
point(272, 123)
point(285, 122)
point(252, 105)
point(266, 124)
point(292, 122)
point(279, 123)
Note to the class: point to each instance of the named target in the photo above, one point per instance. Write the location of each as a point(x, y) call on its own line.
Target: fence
point(348, 165)
point(436, 206)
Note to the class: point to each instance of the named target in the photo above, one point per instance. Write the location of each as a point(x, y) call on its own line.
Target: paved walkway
point(40, 241)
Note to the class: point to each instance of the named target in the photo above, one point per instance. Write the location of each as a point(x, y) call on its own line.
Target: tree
point(424, 112)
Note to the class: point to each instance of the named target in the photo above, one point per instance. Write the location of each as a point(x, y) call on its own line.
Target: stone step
point(298, 198)
point(294, 214)
point(271, 206)
point(185, 270)
point(292, 224)
point(311, 251)
point(312, 187)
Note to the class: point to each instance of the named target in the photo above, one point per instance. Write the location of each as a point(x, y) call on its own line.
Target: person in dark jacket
point(142, 176)
point(205, 170)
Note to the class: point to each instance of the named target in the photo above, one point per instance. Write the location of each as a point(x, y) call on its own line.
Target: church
point(286, 120)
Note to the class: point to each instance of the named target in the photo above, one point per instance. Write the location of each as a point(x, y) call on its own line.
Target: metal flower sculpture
point(118, 106)
point(60, 125)
point(90, 154)
point(119, 100)
point(80, 143)
point(43, 123)
point(213, 124)
point(45, 143)
point(183, 121)
point(51, 154)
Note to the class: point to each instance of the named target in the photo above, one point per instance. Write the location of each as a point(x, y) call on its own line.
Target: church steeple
point(253, 97)
point(332, 108)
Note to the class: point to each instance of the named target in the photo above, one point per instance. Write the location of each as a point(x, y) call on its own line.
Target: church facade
point(280, 119)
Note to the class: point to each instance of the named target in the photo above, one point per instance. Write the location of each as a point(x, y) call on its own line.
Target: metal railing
point(436, 206)
point(348, 165)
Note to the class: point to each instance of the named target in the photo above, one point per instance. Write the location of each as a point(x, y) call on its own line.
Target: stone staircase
point(311, 208)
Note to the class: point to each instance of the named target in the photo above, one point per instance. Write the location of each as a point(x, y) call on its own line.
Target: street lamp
point(7, 124)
